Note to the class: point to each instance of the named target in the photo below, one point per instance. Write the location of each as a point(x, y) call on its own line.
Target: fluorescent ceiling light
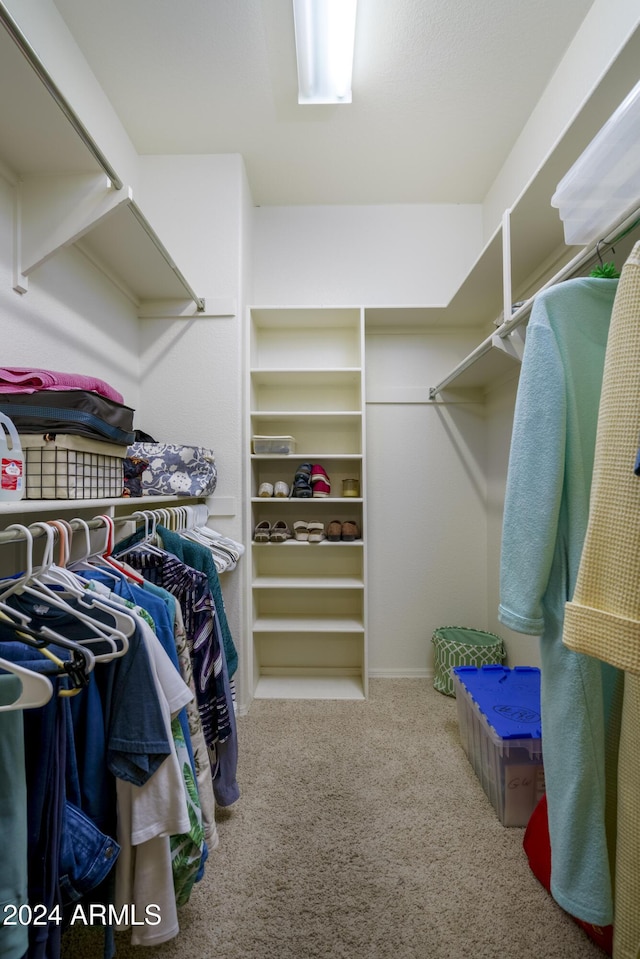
point(325, 34)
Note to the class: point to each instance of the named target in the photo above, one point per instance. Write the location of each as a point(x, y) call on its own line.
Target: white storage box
point(604, 182)
point(274, 444)
point(66, 466)
point(499, 719)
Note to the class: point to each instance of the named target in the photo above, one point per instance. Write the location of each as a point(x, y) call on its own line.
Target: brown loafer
point(350, 532)
point(334, 531)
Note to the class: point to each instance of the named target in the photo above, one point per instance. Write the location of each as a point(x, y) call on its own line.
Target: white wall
point(426, 519)
point(500, 404)
point(191, 368)
point(363, 255)
point(71, 319)
point(602, 35)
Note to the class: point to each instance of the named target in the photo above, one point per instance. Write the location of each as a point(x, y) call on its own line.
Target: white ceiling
point(441, 90)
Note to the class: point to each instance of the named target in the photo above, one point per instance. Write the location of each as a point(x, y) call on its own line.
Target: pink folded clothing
point(15, 379)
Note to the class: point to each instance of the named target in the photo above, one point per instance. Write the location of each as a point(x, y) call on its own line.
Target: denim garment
point(86, 854)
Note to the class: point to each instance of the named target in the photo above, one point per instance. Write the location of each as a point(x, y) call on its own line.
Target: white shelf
point(303, 457)
point(309, 687)
point(284, 377)
point(68, 191)
point(56, 506)
point(307, 582)
point(297, 501)
point(302, 624)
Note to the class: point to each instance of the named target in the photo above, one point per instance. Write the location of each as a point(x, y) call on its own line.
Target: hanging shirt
point(190, 587)
point(545, 519)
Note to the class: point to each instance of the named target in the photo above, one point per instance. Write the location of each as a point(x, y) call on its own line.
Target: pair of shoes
point(309, 532)
point(320, 481)
point(301, 488)
point(266, 533)
point(280, 490)
point(347, 532)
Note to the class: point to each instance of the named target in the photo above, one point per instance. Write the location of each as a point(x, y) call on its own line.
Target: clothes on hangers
point(545, 520)
point(125, 744)
point(225, 551)
point(125, 761)
point(202, 621)
point(167, 622)
point(602, 618)
point(198, 558)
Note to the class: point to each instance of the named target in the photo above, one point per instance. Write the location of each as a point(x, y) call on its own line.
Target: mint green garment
point(14, 938)
point(545, 521)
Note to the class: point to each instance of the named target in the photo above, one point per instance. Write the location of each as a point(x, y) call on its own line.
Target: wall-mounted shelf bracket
point(512, 343)
point(53, 212)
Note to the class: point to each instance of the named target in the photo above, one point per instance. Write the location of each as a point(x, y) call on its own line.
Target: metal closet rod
point(146, 226)
point(17, 536)
point(30, 54)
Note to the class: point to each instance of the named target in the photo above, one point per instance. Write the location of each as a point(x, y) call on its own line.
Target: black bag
point(82, 412)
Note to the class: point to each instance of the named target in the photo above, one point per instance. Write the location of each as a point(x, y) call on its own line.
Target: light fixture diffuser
point(325, 35)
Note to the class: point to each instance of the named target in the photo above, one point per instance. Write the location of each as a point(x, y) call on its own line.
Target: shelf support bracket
point(53, 212)
point(512, 344)
point(20, 280)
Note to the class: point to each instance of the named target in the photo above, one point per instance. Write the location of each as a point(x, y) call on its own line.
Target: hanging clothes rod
point(620, 229)
point(146, 226)
point(30, 54)
point(17, 536)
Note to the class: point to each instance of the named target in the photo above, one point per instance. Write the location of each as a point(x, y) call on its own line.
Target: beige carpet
point(362, 833)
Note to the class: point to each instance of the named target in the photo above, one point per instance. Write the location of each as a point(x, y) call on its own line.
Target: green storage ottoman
point(462, 646)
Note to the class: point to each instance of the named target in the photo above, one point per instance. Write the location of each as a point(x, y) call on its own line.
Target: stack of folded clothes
point(74, 431)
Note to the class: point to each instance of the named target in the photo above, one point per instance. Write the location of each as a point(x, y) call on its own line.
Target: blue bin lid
point(508, 698)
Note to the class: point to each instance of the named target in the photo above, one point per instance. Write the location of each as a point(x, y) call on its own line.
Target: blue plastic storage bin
point(499, 719)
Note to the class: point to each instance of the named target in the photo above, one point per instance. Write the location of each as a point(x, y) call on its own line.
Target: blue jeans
point(86, 854)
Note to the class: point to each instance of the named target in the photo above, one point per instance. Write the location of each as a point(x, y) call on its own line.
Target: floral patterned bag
point(175, 470)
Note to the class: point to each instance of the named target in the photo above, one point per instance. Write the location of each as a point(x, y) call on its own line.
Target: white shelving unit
point(67, 192)
point(307, 603)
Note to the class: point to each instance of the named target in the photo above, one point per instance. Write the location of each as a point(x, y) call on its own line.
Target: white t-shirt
point(148, 816)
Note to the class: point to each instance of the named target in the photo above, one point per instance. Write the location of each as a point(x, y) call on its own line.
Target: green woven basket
point(462, 646)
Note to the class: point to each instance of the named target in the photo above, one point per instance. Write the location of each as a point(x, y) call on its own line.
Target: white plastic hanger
point(29, 583)
point(36, 690)
point(107, 557)
point(71, 583)
point(77, 667)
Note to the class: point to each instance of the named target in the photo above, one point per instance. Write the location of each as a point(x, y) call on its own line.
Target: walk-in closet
point(329, 302)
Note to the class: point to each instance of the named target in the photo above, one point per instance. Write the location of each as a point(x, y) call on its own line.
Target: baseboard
point(401, 673)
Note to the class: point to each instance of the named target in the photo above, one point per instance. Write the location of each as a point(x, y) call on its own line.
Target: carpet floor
point(362, 832)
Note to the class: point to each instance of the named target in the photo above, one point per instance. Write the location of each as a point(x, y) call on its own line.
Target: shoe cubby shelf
point(307, 600)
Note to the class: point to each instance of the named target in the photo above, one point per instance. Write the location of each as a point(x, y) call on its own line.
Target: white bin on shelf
point(604, 182)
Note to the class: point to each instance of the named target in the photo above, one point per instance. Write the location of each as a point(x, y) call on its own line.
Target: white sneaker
point(265, 489)
point(281, 489)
